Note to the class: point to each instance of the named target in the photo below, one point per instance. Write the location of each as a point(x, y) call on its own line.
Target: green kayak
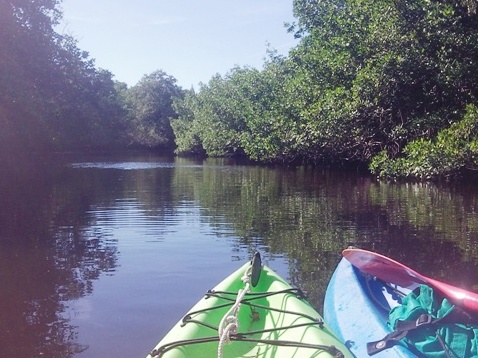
point(252, 313)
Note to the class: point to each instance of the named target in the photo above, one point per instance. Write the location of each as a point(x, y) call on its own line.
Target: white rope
point(229, 323)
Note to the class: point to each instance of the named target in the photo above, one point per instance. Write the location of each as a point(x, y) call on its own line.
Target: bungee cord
point(229, 323)
point(228, 329)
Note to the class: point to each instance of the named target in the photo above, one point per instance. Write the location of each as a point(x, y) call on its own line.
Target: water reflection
point(49, 256)
point(136, 220)
point(309, 215)
point(38, 275)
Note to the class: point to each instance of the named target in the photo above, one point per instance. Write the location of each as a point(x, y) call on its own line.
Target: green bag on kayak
point(434, 326)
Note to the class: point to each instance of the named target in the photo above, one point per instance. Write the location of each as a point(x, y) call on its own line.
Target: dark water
point(101, 257)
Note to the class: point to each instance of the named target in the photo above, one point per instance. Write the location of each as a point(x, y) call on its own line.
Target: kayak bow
point(251, 313)
point(357, 306)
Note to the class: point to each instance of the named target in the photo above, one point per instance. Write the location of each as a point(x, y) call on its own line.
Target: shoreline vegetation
point(384, 84)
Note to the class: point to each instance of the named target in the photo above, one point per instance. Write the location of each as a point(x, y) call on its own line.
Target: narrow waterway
point(100, 257)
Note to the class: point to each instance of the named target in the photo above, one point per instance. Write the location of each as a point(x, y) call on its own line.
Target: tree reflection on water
point(43, 265)
point(56, 235)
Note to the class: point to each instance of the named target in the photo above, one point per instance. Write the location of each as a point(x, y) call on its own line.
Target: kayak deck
point(357, 306)
point(274, 320)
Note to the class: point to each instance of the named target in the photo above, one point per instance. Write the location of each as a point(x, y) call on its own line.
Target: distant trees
point(150, 109)
point(238, 114)
point(52, 97)
point(215, 117)
point(384, 83)
point(86, 111)
point(27, 53)
point(369, 79)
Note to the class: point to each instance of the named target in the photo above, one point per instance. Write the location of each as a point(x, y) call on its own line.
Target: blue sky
point(190, 40)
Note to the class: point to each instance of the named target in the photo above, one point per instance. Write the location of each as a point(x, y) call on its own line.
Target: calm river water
point(101, 257)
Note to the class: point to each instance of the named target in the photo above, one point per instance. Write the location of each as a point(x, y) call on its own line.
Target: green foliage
point(368, 77)
point(184, 126)
point(220, 113)
point(454, 149)
point(383, 56)
point(150, 107)
point(268, 133)
point(84, 108)
point(51, 95)
point(27, 45)
point(243, 113)
point(382, 79)
point(213, 120)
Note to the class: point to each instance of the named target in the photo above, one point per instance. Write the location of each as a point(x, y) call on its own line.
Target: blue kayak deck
point(356, 308)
